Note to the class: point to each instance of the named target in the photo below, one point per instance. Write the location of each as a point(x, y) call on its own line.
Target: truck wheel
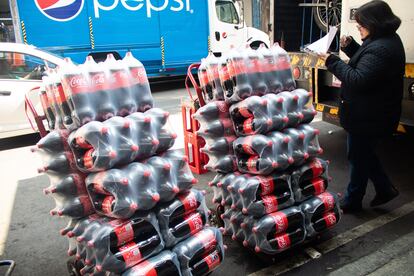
point(333, 16)
point(256, 44)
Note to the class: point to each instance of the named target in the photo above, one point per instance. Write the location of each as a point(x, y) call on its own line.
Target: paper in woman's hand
point(322, 45)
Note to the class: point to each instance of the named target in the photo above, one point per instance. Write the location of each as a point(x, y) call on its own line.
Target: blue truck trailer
point(166, 35)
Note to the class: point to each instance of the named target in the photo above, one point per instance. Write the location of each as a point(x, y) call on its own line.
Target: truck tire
point(320, 13)
point(256, 44)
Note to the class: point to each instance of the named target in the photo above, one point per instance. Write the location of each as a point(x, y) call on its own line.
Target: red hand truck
point(29, 107)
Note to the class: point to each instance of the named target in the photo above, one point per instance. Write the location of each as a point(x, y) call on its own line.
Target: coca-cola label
point(138, 75)
point(145, 268)
point(189, 202)
point(270, 203)
point(120, 79)
point(328, 201)
point(283, 241)
point(267, 185)
point(88, 159)
point(224, 73)
point(203, 77)
point(131, 254)
point(212, 260)
point(215, 72)
point(230, 70)
point(255, 66)
point(245, 112)
point(330, 219)
point(195, 222)
point(78, 84)
point(61, 93)
point(207, 239)
point(107, 204)
point(316, 167)
point(319, 185)
point(247, 145)
point(281, 222)
point(240, 67)
point(124, 233)
point(248, 126)
point(44, 100)
point(252, 163)
point(283, 63)
point(56, 95)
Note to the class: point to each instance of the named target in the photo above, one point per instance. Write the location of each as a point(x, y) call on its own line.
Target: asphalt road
point(374, 242)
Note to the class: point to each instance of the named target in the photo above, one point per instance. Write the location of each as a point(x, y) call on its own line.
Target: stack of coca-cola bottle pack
point(129, 198)
point(274, 191)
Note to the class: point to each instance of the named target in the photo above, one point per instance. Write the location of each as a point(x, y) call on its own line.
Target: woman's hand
point(344, 41)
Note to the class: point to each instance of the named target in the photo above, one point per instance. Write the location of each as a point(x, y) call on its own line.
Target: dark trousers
point(364, 165)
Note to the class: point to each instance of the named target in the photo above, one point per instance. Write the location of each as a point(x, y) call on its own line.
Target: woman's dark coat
point(372, 85)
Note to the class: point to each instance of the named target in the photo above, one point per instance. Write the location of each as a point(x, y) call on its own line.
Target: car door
point(19, 73)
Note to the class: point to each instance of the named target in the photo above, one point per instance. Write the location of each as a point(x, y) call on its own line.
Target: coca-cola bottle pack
point(259, 115)
point(259, 154)
point(164, 264)
point(322, 212)
point(115, 245)
point(183, 217)
point(213, 64)
point(279, 231)
point(139, 186)
point(98, 91)
point(201, 253)
point(266, 194)
point(99, 146)
point(67, 183)
point(310, 179)
point(217, 130)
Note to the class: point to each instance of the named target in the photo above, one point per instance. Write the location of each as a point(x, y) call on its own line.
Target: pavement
point(376, 241)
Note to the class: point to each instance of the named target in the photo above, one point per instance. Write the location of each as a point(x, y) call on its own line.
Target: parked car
point(21, 69)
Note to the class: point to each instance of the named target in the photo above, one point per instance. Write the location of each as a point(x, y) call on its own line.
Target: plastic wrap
point(164, 264)
point(115, 245)
point(259, 115)
point(263, 195)
point(249, 72)
point(140, 186)
point(217, 130)
point(310, 179)
point(99, 146)
point(201, 253)
point(247, 228)
point(209, 78)
point(322, 212)
point(67, 183)
point(279, 231)
point(183, 217)
point(220, 186)
point(259, 154)
point(98, 91)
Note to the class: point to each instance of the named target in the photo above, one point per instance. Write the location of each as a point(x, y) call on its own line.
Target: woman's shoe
point(380, 199)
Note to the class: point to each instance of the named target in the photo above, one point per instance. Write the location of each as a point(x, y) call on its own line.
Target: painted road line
point(337, 241)
point(377, 259)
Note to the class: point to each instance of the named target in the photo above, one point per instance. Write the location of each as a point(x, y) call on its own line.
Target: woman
point(371, 94)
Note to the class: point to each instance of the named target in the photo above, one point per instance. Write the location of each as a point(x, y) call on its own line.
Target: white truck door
point(225, 26)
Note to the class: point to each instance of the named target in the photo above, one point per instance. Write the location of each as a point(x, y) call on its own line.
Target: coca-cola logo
point(328, 200)
point(283, 241)
point(330, 220)
point(78, 81)
point(280, 222)
point(197, 221)
point(98, 80)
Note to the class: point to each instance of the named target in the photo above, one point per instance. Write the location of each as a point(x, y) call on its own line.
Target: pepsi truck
point(165, 35)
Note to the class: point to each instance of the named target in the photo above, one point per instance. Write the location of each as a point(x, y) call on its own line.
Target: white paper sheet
point(322, 45)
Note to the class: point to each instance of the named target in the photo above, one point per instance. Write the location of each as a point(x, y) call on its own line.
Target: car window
point(21, 66)
point(226, 12)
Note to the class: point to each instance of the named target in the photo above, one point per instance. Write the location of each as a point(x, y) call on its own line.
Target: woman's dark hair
point(378, 18)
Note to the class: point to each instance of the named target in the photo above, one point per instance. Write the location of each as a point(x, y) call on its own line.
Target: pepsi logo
point(60, 10)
